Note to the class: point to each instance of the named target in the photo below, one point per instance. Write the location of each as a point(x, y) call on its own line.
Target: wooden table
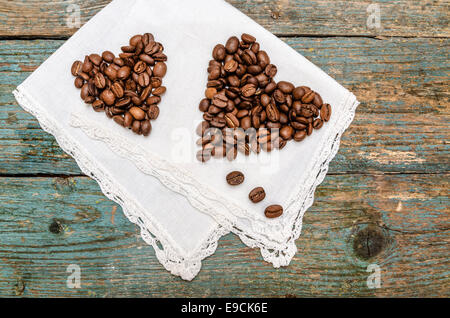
point(385, 200)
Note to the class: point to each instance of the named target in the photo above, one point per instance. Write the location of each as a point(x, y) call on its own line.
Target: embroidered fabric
point(276, 240)
point(151, 232)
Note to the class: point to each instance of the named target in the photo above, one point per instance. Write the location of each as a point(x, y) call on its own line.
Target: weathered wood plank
point(401, 125)
point(406, 216)
point(411, 18)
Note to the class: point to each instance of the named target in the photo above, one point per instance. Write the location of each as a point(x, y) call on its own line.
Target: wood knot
point(369, 242)
point(56, 227)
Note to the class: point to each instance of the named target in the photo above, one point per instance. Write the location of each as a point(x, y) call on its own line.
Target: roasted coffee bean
point(76, 68)
point(79, 82)
point(232, 45)
point(146, 127)
point(203, 155)
point(272, 112)
point(124, 72)
point(232, 121)
point(231, 66)
point(248, 90)
point(99, 80)
point(273, 211)
point(235, 178)
point(108, 97)
point(247, 38)
point(160, 69)
point(271, 70)
point(285, 87)
point(318, 123)
point(159, 91)
point(136, 127)
point(204, 104)
point(95, 59)
point(263, 59)
point(325, 112)
point(286, 132)
point(308, 97)
point(210, 92)
point(153, 112)
point(257, 195)
point(219, 52)
point(300, 135)
point(119, 119)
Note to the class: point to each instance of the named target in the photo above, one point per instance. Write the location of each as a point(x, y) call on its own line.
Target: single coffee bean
point(219, 52)
point(146, 127)
point(232, 45)
point(137, 113)
point(285, 87)
point(108, 56)
point(210, 92)
point(153, 112)
point(76, 68)
point(325, 112)
point(99, 80)
point(257, 195)
point(235, 178)
point(286, 132)
point(247, 38)
point(160, 69)
point(273, 211)
point(300, 135)
point(95, 59)
point(79, 82)
point(108, 97)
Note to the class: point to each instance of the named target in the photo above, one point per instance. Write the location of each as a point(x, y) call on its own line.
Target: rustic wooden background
point(385, 200)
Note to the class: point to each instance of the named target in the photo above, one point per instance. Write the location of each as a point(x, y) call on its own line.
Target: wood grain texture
point(407, 213)
point(410, 18)
point(400, 126)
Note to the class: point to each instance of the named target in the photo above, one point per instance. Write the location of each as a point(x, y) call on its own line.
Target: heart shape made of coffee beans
point(246, 110)
point(128, 88)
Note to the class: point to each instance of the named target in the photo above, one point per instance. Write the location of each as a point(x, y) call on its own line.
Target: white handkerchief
point(166, 159)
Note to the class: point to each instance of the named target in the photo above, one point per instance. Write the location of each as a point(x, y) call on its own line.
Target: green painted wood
point(411, 18)
point(400, 126)
point(403, 217)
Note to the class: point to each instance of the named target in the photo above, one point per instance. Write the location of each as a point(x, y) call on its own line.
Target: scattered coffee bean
point(235, 178)
point(128, 87)
point(273, 211)
point(242, 95)
point(257, 195)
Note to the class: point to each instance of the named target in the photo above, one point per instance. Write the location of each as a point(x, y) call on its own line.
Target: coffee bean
point(325, 112)
point(247, 38)
point(160, 69)
point(108, 97)
point(99, 80)
point(235, 178)
point(79, 82)
point(257, 195)
point(300, 135)
point(137, 113)
point(232, 45)
point(146, 127)
point(219, 52)
point(273, 211)
point(286, 132)
point(210, 92)
point(285, 87)
point(76, 68)
point(108, 56)
point(95, 59)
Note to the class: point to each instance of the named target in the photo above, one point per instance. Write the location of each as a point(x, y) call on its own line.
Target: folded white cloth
point(185, 204)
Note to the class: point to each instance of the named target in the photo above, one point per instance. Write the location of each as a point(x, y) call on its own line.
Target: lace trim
point(151, 232)
point(276, 239)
